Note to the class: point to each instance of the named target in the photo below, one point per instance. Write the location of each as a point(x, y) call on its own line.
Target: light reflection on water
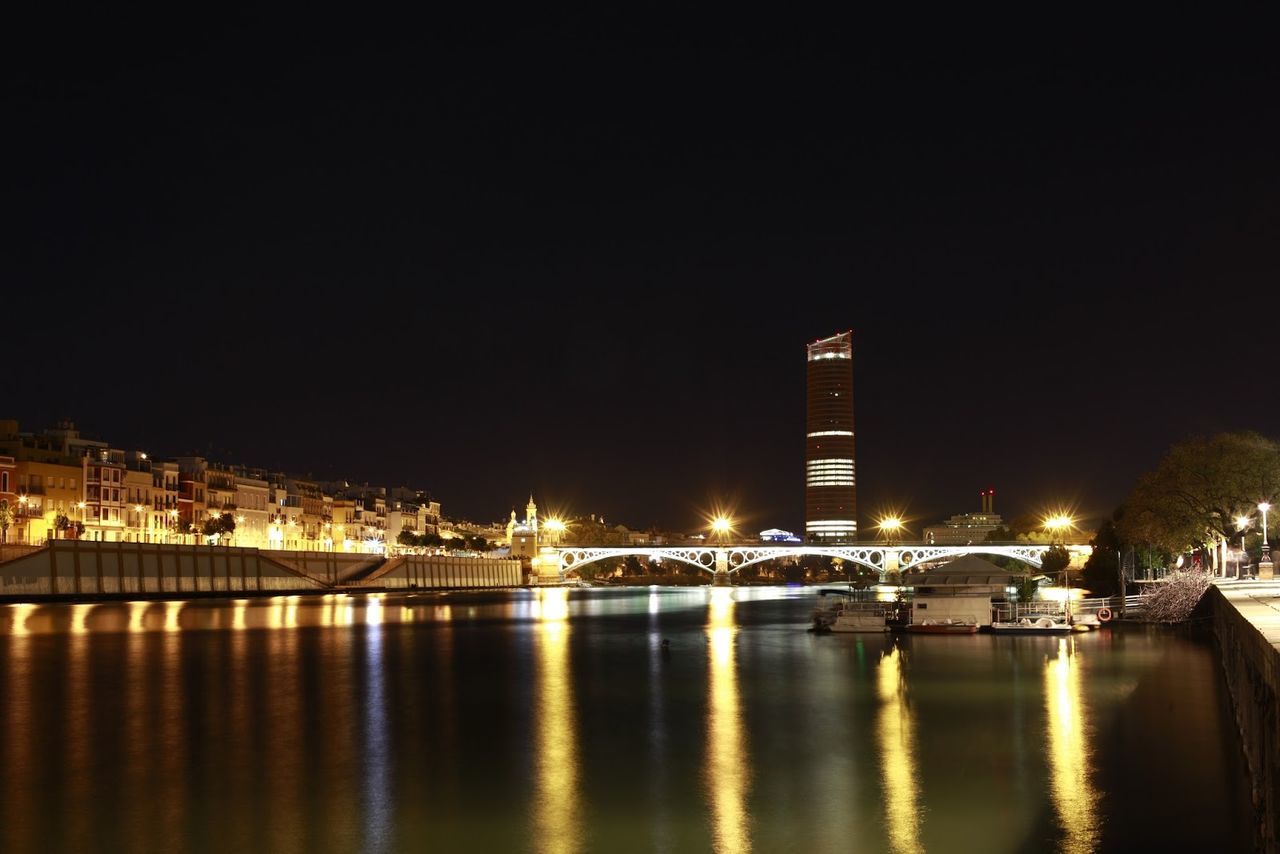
point(556, 721)
point(556, 808)
point(1074, 797)
point(727, 773)
point(896, 732)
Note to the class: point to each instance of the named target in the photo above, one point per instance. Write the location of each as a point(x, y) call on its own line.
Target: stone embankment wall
point(72, 567)
point(1251, 662)
point(440, 572)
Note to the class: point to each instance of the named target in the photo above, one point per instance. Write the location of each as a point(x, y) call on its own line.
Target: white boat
point(1084, 622)
point(859, 620)
point(849, 614)
point(1028, 626)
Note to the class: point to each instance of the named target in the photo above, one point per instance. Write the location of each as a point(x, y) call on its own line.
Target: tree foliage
point(1054, 560)
point(1102, 568)
point(1191, 499)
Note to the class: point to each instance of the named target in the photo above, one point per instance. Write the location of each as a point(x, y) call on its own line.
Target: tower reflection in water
point(1074, 798)
point(726, 772)
point(556, 807)
point(895, 731)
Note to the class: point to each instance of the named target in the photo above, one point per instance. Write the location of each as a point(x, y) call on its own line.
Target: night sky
point(583, 260)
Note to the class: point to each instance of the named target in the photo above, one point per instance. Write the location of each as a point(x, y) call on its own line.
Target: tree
point(1191, 499)
point(407, 538)
point(7, 517)
point(221, 526)
point(1054, 560)
point(479, 543)
point(1101, 569)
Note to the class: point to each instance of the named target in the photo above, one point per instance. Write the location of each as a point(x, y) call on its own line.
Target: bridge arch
point(881, 558)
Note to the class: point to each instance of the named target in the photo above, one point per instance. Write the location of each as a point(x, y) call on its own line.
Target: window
point(73, 483)
point(49, 481)
point(4, 481)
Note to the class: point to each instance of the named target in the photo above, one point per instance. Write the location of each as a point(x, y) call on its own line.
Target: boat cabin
point(965, 589)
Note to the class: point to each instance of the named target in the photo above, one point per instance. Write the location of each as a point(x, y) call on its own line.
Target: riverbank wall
point(67, 570)
point(1246, 624)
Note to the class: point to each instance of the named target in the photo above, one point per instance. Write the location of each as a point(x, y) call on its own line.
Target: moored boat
point(855, 620)
point(1028, 626)
point(944, 627)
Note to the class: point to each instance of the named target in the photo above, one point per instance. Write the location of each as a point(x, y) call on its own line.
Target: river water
point(555, 721)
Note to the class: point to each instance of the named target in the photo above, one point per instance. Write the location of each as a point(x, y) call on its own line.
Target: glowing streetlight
point(1265, 568)
point(890, 526)
point(554, 528)
point(721, 526)
point(1242, 522)
point(1060, 523)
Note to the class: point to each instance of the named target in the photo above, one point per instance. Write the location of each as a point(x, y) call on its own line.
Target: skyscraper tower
point(830, 494)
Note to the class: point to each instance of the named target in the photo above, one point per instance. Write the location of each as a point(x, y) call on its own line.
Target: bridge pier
point(721, 578)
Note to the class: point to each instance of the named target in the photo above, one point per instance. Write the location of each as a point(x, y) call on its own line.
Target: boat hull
point(1043, 626)
point(920, 629)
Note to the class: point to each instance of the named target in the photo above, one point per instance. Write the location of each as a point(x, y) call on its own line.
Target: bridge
point(722, 560)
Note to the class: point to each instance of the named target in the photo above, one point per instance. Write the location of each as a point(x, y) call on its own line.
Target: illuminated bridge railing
point(730, 558)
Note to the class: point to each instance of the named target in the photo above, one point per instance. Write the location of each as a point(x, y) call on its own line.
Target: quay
point(1246, 624)
point(74, 570)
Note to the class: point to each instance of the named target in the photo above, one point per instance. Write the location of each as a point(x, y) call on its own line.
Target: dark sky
point(583, 258)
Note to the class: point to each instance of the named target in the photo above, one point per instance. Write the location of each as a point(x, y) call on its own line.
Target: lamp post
point(890, 527)
point(1266, 569)
point(24, 509)
point(139, 509)
point(555, 529)
point(1061, 523)
point(1242, 522)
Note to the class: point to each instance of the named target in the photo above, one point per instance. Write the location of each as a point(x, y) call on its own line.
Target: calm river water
point(554, 721)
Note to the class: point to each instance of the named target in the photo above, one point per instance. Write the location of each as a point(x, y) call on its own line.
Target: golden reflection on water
point(172, 610)
point(136, 610)
point(1073, 796)
point(79, 615)
point(726, 773)
point(556, 807)
point(20, 613)
point(895, 731)
point(19, 752)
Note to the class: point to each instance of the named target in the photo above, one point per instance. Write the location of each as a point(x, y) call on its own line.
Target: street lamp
point(554, 528)
point(890, 527)
point(1242, 522)
point(1265, 568)
point(139, 509)
point(721, 526)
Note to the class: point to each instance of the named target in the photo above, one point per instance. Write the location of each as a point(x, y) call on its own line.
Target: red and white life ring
point(1104, 615)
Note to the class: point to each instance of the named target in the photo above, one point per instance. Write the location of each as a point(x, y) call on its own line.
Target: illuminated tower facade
point(830, 493)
